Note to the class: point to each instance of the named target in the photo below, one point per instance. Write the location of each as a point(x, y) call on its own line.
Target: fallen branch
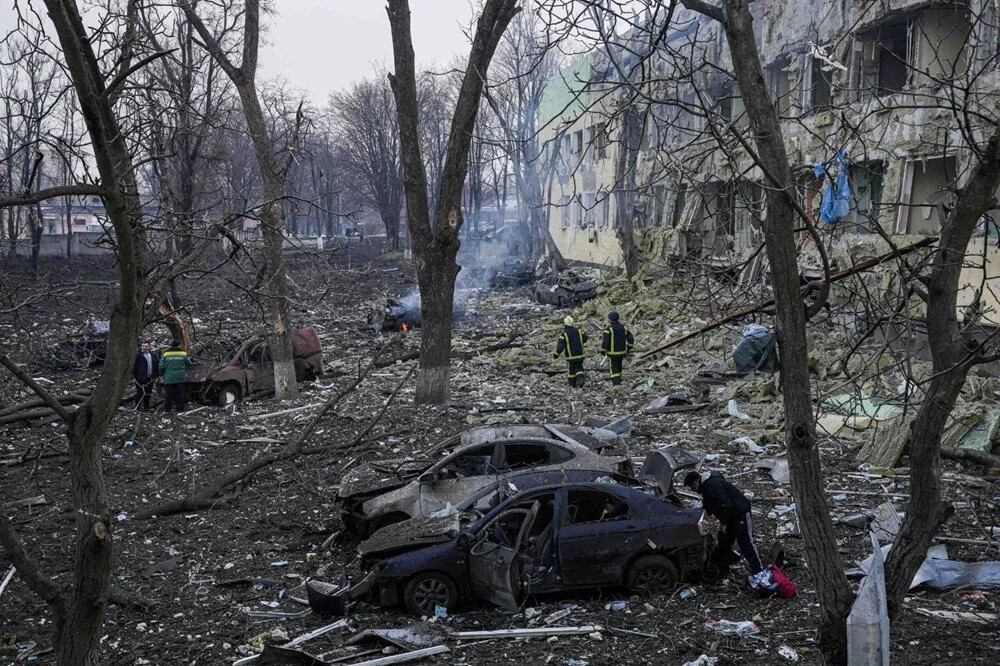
point(987, 459)
point(28, 501)
point(28, 381)
point(32, 577)
point(126, 599)
point(739, 314)
point(207, 497)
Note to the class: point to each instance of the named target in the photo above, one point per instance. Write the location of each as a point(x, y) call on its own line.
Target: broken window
point(79, 221)
point(884, 58)
point(924, 45)
point(600, 140)
point(659, 203)
point(591, 506)
point(782, 86)
point(819, 86)
point(522, 455)
point(925, 194)
point(259, 354)
point(578, 142)
point(474, 462)
point(565, 212)
point(866, 195)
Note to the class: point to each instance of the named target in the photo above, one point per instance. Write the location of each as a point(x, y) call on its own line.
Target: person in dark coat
point(726, 502)
point(173, 367)
point(616, 343)
point(571, 344)
point(145, 371)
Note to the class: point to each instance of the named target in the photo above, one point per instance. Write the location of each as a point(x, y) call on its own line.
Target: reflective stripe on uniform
point(569, 352)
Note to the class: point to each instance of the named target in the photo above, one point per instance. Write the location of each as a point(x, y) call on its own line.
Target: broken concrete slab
point(887, 442)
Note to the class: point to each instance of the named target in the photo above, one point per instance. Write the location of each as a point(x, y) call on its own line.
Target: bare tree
point(364, 118)
point(520, 72)
point(436, 244)
point(272, 174)
point(79, 616)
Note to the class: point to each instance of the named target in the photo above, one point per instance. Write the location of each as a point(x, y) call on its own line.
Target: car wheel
point(386, 520)
point(228, 394)
point(651, 574)
point(425, 592)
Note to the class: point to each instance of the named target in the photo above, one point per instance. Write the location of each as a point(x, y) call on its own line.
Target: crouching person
point(726, 502)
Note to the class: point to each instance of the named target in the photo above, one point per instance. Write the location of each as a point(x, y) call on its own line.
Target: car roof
point(550, 478)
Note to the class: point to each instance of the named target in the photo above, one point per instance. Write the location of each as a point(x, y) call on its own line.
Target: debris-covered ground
point(224, 580)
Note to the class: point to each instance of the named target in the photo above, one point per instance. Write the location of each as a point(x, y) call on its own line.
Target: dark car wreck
point(566, 289)
point(548, 539)
point(385, 492)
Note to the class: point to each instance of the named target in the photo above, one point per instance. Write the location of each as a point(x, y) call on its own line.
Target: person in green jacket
point(173, 368)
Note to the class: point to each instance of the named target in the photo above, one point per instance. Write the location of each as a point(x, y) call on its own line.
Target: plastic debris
point(788, 653)
point(734, 411)
point(733, 628)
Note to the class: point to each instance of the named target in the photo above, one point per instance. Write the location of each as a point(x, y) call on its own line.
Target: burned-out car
point(512, 273)
point(384, 492)
point(249, 369)
point(565, 289)
point(548, 539)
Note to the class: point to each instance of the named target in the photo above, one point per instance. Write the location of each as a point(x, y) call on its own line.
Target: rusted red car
point(249, 369)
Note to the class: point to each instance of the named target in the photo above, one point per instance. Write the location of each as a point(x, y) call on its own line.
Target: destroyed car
point(249, 369)
point(403, 314)
point(549, 539)
point(565, 289)
point(512, 273)
point(381, 493)
point(446, 524)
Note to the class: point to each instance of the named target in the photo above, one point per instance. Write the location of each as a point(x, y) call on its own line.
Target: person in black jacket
point(616, 343)
point(727, 503)
point(145, 370)
point(571, 344)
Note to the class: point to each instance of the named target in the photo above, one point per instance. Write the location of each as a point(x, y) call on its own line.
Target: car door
point(597, 536)
point(260, 368)
point(456, 477)
point(498, 567)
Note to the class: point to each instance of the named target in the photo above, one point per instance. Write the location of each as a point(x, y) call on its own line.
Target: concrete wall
point(54, 245)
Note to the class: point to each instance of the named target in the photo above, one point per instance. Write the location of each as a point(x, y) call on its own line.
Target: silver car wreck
point(386, 492)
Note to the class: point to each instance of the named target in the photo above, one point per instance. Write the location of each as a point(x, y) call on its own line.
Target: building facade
point(878, 101)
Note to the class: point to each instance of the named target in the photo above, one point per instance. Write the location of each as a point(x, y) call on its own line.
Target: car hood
point(437, 527)
point(379, 475)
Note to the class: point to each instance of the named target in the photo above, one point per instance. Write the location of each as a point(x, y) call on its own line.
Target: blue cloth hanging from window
point(836, 203)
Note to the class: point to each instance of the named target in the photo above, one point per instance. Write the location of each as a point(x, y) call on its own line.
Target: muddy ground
point(207, 571)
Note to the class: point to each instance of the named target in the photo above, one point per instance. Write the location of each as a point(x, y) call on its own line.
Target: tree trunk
point(87, 427)
point(437, 246)
point(273, 179)
point(825, 565)
point(437, 288)
point(952, 356)
point(625, 184)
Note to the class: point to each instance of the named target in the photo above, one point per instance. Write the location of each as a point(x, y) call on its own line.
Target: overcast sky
point(323, 45)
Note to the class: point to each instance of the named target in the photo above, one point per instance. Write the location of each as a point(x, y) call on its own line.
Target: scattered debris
point(730, 628)
point(777, 468)
point(960, 616)
point(868, 621)
point(734, 410)
point(788, 653)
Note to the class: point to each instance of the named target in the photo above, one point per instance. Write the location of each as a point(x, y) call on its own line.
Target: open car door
point(498, 566)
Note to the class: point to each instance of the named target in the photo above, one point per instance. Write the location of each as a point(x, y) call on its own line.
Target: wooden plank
point(297, 641)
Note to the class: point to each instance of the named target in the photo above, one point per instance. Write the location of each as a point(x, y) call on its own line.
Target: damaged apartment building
point(874, 99)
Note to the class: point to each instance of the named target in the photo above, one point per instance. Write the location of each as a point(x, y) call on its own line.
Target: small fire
point(404, 327)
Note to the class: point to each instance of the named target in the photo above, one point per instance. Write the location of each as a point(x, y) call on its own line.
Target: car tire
point(386, 520)
point(424, 592)
point(227, 394)
point(651, 574)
